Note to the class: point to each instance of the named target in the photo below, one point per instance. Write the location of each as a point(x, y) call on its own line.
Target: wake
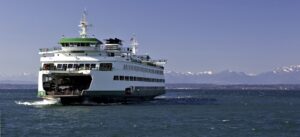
point(45, 102)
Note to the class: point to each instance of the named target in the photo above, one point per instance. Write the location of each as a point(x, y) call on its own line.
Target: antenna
point(84, 25)
point(134, 44)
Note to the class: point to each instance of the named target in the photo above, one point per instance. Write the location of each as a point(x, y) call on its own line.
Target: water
point(179, 113)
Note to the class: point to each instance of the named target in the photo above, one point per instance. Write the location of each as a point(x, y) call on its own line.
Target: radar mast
point(84, 25)
point(134, 44)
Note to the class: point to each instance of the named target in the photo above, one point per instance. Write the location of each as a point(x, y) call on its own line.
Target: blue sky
point(193, 35)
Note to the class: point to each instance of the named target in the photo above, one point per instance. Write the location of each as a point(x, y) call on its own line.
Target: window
point(70, 65)
point(93, 65)
point(76, 66)
point(111, 54)
point(116, 77)
point(46, 66)
point(81, 65)
point(126, 78)
point(131, 78)
point(87, 66)
point(59, 66)
point(64, 66)
point(106, 66)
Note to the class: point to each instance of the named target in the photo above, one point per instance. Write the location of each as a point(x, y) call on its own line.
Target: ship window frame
point(105, 67)
point(116, 78)
point(87, 66)
point(81, 65)
point(59, 66)
point(122, 77)
point(65, 66)
point(71, 44)
point(76, 66)
point(70, 66)
point(126, 78)
point(131, 78)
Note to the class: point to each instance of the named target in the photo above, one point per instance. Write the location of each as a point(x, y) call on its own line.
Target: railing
point(49, 49)
point(149, 63)
point(80, 48)
point(70, 69)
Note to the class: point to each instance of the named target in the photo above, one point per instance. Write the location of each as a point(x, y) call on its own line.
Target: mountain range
point(282, 75)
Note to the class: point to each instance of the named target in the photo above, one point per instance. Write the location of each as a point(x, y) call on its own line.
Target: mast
point(83, 25)
point(134, 45)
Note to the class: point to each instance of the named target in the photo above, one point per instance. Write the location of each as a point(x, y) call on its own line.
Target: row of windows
point(76, 66)
point(103, 66)
point(137, 68)
point(77, 45)
point(133, 78)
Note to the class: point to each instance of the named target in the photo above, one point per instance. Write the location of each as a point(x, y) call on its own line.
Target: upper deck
point(87, 49)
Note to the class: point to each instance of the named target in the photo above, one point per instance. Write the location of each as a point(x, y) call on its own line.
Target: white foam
point(225, 120)
point(44, 102)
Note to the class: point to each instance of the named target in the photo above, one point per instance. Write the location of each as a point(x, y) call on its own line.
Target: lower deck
point(108, 96)
point(99, 86)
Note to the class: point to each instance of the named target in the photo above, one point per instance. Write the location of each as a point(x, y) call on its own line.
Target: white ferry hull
point(84, 68)
point(103, 88)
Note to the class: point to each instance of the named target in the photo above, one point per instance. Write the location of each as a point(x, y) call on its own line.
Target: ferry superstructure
point(86, 68)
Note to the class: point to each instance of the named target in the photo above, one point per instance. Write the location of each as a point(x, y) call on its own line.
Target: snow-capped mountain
point(283, 75)
point(289, 69)
point(207, 77)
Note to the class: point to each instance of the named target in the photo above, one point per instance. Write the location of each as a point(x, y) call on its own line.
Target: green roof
point(80, 40)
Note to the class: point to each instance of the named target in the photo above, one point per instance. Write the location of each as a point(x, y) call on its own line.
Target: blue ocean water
point(178, 113)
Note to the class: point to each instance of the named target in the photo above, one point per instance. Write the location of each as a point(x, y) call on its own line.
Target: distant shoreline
point(189, 86)
point(233, 86)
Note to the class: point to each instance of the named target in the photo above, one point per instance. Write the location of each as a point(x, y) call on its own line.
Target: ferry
point(86, 69)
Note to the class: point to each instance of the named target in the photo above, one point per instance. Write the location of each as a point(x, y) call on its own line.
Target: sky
point(251, 36)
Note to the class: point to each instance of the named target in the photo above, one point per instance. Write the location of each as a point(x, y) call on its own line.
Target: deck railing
point(50, 49)
point(69, 69)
